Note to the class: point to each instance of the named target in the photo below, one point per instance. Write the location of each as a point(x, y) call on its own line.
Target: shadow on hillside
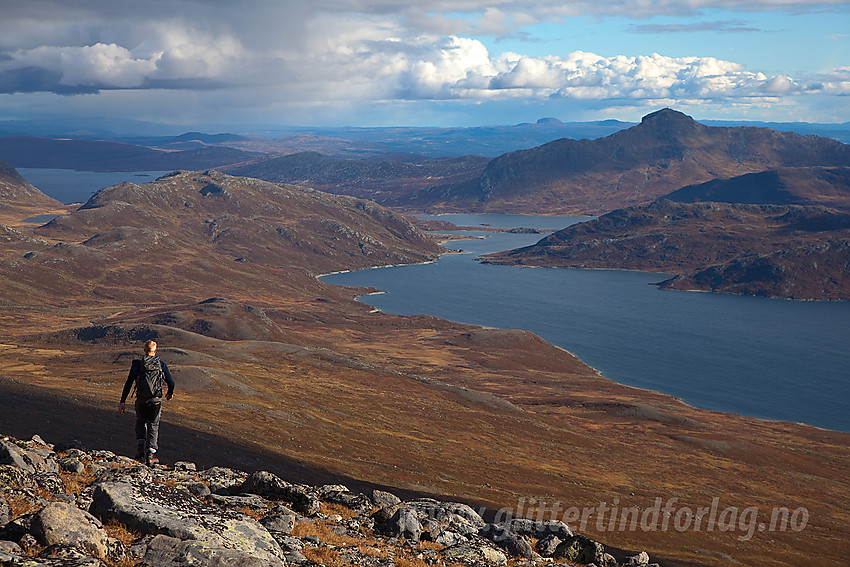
point(27, 410)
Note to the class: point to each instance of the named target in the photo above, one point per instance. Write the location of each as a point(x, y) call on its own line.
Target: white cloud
point(270, 53)
point(780, 84)
point(101, 64)
point(462, 68)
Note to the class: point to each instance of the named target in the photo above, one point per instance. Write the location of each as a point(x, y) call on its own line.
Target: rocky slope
point(211, 231)
point(67, 506)
point(666, 151)
point(784, 251)
point(18, 197)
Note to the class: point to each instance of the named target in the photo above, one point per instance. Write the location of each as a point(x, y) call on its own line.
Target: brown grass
point(74, 483)
point(324, 533)
point(252, 513)
point(323, 556)
point(330, 509)
point(20, 505)
point(119, 531)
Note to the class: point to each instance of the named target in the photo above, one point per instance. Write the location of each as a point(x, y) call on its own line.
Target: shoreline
point(571, 353)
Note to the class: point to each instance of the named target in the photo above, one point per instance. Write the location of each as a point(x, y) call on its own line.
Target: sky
point(246, 64)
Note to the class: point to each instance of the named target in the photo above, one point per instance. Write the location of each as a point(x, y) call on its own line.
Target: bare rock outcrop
point(78, 508)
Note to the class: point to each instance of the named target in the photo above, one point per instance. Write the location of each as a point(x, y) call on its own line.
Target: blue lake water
point(766, 358)
point(71, 186)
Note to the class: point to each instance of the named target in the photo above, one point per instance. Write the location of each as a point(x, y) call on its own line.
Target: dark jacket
point(137, 369)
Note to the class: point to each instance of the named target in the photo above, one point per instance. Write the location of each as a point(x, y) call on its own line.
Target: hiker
point(147, 374)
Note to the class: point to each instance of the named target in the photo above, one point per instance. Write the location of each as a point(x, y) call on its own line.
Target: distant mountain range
point(666, 151)
point(382, 180)
point(93, 155)
point(187, 141)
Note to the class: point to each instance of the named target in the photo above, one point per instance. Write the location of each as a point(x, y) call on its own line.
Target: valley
point(278, 369)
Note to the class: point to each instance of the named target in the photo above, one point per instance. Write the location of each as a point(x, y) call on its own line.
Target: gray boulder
point(269, 485)
point(265, 484)
point(199, 489)
point(453, 516)
point(222, 480)
point(639, 560)
point(353, 500)
point(4, 511)
point(296, 558)
point(404, 523)
point(289, 543)
point(475, 553)
point(279, 523)
point(581, 549)
point(508, 540)
point(11, 454)
point(385, 499)
point(547, 546)
point(165, 551)
point(136, 473)
point(10, 547)
point(63, 524)
point(240, 501)
point(449, 538)
point(30, 460)
point(162, 509)
point(538, 529)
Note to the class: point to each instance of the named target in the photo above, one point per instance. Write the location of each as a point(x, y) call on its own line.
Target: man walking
point(147, 374)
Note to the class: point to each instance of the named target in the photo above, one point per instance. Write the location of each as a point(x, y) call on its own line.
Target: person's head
point(150, 347)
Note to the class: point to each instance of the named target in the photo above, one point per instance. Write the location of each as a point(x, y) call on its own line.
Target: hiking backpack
point(149, 379)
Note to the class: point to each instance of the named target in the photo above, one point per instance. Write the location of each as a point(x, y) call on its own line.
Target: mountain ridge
point(99, 155)
point(272, 362)
point(381, 180)
point(828, 186)
point(786, 251)
point(666, 151)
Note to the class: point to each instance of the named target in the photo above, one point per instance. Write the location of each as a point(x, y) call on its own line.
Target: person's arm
point(168, 380)
point(131, 377)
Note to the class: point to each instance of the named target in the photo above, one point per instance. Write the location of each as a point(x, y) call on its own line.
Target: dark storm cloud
point(33, 79)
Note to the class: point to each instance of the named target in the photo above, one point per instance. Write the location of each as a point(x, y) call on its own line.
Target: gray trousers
point(148, 413)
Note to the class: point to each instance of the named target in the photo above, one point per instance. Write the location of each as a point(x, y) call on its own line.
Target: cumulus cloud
point(462, 68)
point(371, 50)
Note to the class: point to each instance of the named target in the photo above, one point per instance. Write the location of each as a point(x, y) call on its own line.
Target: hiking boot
point(140, 454)
point(152, 460)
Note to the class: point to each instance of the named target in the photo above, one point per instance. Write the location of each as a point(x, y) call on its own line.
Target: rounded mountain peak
point(667, 116)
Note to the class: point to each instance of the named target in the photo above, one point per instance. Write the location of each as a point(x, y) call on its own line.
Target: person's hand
point(121, 408)
point(169, 396)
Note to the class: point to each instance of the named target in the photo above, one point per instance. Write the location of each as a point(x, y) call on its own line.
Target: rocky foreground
point(63, 506)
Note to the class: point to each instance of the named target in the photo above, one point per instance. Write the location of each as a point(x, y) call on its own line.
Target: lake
point(71, 186)
point(765, 358)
